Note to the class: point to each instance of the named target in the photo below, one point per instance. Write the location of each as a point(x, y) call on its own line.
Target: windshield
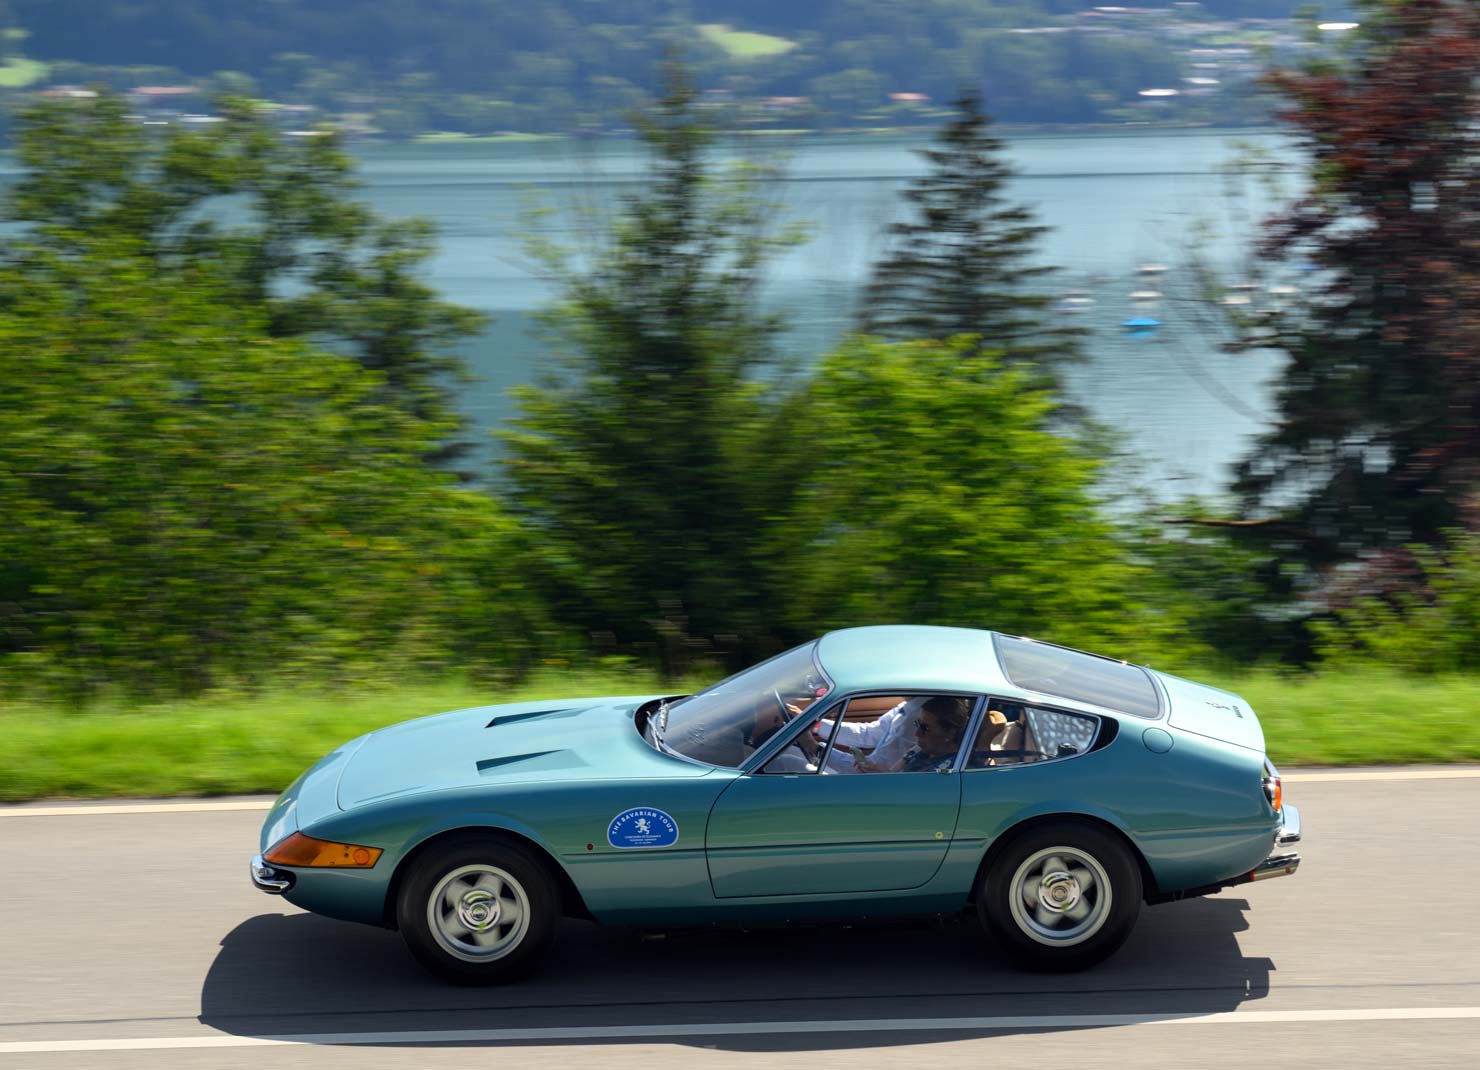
point(724, 724)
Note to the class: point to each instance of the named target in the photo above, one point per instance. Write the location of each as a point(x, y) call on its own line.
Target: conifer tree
point(963, 264)
point(1376, 442)
point(636, 464)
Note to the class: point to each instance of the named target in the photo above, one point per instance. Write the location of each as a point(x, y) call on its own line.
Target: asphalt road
point(122, 934)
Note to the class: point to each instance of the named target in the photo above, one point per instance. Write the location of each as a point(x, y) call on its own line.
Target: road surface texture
point(130, 937)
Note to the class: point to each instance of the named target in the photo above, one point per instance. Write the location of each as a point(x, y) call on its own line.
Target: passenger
point(888, 740)
point(942, 723)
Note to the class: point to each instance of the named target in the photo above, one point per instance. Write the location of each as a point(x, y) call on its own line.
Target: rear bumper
point(1280, 863)
point(1289, 827)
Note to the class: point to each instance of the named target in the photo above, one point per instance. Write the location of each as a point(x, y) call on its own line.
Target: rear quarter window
point(1073, 674)
point(1025, 734)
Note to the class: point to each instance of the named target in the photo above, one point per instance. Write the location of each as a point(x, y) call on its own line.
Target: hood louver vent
point(510, 718)
point(540, 761)
point(493, 763)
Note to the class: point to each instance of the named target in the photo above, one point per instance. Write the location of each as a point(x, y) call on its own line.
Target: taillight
point(1272, 788)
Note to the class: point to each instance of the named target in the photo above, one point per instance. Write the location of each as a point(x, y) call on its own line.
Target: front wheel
point(1060, 897)
point(478, 911)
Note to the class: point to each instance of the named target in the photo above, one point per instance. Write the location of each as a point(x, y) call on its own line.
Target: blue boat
point(1141, 323)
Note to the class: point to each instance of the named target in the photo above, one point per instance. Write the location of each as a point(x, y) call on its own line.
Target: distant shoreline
point(1006, 130)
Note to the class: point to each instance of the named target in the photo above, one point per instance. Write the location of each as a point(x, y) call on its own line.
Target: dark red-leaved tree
point(1376, 441)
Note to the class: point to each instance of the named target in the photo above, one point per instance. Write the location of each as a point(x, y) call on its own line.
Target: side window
point(1013, 732)
point(918, 734)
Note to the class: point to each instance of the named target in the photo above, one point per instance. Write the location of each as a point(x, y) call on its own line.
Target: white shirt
point(892, 736)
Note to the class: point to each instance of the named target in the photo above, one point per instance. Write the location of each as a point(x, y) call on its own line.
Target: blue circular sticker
point(642, 826)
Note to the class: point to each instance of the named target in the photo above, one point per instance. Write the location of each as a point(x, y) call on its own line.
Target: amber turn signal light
point(301, 850)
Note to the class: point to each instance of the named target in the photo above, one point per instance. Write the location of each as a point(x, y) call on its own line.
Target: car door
point(806, 833)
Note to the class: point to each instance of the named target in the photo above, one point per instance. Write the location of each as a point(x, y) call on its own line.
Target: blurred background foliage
point(228, 442)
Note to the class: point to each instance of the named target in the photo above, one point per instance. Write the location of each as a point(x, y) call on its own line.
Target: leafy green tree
point(1217, 586)
point(633, 465)
point(190, 502)
point(1432, 624)
point(195, 491)
point(1375, 444)
point(964, 263)
point(935, 490)
point(275, 217)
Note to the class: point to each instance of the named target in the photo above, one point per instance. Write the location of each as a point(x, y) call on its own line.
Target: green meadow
point(739, 44)
point(237, 744)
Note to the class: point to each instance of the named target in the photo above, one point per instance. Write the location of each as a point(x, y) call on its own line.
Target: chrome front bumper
point(267, 879)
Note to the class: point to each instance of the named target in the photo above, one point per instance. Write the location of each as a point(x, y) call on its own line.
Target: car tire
point(478, 911)
point(1060, 896)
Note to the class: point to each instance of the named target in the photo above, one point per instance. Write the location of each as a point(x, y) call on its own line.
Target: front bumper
point(270, 879)
point(1280, 863)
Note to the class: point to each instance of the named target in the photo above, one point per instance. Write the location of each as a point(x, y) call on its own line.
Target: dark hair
point(952, 712)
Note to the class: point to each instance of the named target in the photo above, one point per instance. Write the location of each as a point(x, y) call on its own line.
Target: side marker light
point(301, 850)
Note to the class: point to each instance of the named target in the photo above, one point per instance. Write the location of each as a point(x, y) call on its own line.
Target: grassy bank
point(230, 745)
point(259, 744)
point(1358, 718)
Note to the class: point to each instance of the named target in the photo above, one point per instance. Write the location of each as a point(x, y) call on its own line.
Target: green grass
point(19, 73)
point(741, 45)
point(1367, 717)
point(233, 745)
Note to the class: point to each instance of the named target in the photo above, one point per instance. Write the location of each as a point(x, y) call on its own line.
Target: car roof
point(912, 656)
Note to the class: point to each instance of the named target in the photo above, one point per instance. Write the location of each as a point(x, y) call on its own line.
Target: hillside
point(480, 66)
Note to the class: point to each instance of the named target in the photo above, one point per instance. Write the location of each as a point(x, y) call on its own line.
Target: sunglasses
point(926, 728)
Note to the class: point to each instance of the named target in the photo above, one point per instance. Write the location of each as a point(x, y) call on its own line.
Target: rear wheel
point(1060, 896)
point(478, 911)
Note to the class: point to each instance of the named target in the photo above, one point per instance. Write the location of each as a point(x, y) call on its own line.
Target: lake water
point(1115, 203)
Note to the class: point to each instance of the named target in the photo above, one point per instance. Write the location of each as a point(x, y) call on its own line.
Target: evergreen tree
point(1376, 442)
point(963, 263)
point(637, 465)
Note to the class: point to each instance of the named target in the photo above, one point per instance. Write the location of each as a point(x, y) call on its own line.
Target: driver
point(771, 711)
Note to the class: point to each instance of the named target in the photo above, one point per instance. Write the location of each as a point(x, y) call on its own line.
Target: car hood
point(569, 740)
point(1212, 712)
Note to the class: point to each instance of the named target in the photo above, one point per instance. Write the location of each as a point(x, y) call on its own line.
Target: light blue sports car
point(873, 772)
